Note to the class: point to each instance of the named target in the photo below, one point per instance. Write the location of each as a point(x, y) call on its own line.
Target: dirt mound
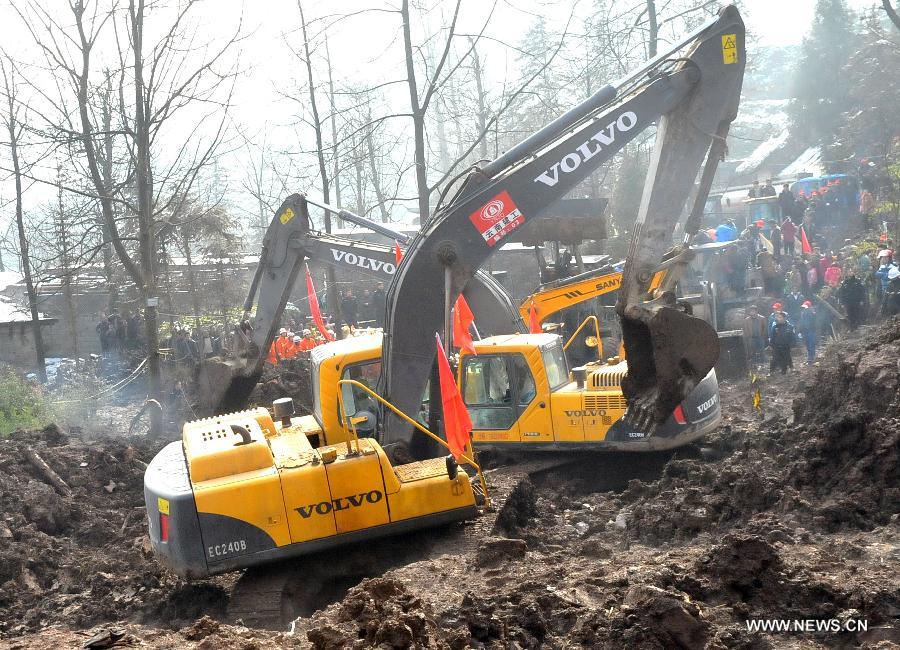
point(77, 554)
point(835, 466)
point(378, 612)
point(292, 380)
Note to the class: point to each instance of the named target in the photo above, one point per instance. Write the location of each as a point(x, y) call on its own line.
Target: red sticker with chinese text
point(497, 218)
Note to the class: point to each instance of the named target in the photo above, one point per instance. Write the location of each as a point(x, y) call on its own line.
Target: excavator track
point(271, 596)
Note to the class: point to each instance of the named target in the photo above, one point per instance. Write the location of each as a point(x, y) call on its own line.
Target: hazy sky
point(366, 49)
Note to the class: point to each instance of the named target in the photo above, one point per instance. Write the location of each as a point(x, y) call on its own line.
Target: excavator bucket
point(224, 385)
point(669, 352)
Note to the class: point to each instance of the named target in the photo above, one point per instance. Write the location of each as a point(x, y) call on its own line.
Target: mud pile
point(835, 466)
point(790, 515)
point(82, 556)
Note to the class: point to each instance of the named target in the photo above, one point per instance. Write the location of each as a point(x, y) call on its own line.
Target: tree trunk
point(359, 175)
point(481, 97)
point(334, 132)
point(334, 303)
point(66, 266)
point(13, 128)
point(166, 273)
point(108, 271)
point(653, 29)
point(146, 237)
point(891, 12)
point(418, 118)
point(373, 170)
point(192, 280)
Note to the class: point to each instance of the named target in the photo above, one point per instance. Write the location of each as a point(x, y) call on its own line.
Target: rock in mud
point(497, 550)
point(668, 619)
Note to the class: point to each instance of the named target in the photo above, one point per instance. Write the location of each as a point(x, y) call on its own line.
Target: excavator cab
point(521, 394)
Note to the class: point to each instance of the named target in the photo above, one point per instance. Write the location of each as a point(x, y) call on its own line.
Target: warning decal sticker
point(497, 218)
point(729, 48)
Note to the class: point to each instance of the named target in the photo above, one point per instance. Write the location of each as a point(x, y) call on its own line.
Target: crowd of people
point(815, 289)
point(367, 309)
point(120, 333)
point(288, 345)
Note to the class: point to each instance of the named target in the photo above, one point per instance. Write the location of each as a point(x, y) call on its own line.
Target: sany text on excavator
point(245, 488)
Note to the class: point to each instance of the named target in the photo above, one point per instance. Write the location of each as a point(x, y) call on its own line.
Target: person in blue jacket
point(726, 231)
point(807, 328)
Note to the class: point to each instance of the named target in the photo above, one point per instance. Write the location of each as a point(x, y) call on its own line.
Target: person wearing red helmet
point(776, 308)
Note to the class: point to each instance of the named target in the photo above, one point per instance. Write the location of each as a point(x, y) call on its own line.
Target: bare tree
point(161, 86)
point(14, 129)
point(891, 12)
point(334, 303)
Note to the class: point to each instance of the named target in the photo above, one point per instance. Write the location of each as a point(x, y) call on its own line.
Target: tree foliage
point(822, 80)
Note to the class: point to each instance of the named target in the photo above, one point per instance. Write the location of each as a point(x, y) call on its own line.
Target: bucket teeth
point(669, 353)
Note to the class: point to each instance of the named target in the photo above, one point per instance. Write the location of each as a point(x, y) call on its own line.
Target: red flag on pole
point(457, 423)
point(314, 307)
point(534, 325)
point(804, 242)
point(462, 321)
point(398, 254)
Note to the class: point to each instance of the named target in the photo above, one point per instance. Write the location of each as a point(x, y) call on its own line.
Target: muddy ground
point(787, 514)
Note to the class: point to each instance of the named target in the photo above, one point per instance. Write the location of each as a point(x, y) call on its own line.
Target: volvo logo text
point(342, 503)
point(352, 259)
point(708, 404)
point(587, 150)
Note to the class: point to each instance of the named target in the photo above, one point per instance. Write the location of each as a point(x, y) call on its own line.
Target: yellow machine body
point(521, 394)
point(269, 494)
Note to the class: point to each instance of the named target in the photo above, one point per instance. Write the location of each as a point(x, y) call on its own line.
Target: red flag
point(457, 423)
point(314, 307)
point(804, 242)
point(462, 321)
point(398, 254)
point(534, 325)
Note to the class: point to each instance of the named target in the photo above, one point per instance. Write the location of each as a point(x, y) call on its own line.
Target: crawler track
point(271, 596)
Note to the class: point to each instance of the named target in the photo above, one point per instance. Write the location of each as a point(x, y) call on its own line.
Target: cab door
point(488, 394)
point(532, 396)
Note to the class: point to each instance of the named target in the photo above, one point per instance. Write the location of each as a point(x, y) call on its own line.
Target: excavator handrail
point(599, 346)
point(400, 414)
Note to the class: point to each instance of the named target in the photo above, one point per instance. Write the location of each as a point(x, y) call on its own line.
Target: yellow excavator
point(244, 488)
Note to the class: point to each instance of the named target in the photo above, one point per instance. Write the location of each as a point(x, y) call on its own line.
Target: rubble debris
point(795, 517)
point(47, 472)
point(496, 550)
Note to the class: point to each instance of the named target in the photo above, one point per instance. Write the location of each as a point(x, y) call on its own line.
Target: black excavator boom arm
point(691, 91)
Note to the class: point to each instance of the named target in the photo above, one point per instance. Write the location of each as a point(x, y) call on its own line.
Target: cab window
point(486, 391)
point(555, 365)
point(356, 399)
point(524, 380)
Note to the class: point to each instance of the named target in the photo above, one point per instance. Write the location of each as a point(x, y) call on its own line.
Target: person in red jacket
point(282, 344)
point(788, 236)
point(308, 342)
point(833, 273)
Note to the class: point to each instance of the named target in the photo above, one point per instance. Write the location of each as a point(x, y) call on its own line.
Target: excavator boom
point(693, 96)
point(224, 385)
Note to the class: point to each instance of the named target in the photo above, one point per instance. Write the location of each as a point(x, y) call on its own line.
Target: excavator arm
point(553, 297)
point(691, 91)
point(288, 243)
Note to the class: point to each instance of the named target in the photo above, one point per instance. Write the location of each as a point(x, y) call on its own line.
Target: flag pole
point(447, 307)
